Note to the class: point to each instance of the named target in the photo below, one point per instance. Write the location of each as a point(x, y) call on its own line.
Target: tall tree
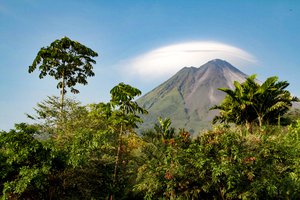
point(125, 116)
point(67, 61)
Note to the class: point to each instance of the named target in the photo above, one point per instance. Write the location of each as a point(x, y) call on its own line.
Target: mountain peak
point(187, 96)
point(222, 66)
point(218, 61)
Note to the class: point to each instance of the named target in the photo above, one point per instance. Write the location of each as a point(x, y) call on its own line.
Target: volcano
point(187, 97)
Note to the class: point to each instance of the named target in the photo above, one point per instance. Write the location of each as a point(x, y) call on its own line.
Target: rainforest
point(97, 151)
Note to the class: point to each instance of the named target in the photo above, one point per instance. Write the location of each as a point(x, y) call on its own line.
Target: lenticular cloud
point(165, 61)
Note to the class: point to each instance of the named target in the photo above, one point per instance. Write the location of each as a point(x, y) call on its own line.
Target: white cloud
point(165, 61)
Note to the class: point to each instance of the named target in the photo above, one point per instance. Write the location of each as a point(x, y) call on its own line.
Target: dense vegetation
point(75, 151)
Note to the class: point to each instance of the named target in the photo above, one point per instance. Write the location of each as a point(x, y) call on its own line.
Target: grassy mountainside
point(187, 96)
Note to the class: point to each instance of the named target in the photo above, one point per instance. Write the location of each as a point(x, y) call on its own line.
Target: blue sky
point(127, 33)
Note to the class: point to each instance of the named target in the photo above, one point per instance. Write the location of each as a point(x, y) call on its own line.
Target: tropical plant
point(125, 117)
point(251, 102)
point(67, 61)
point(230, 165)
point(29, 164)
point(272, 100)
point(163, 171)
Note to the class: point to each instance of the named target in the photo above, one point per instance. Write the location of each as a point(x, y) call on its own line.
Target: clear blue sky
point(123, 30)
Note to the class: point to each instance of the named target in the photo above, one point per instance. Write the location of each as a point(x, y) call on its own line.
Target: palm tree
point(251, 102)
point(272, 100)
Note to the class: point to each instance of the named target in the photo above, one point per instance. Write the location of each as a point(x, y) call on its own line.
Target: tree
point(49, 118)
point(236, 106)
point(125, 115)
point(29, 162)
point(251, 102)
point(85, 146)
point(163, 169)
point(67, 61)
point(230, 165)
point(272, 100)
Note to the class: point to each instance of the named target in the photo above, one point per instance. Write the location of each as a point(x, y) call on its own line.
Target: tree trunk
point(260, 119)
point(117, 161)
point(62, 93)
point(221, 191)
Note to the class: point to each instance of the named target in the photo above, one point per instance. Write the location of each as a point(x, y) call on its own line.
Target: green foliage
point(233, 165)
point(164, 128)
point(251, 102)
point(124, 117)
point(28, 162)
point(53, 122)
point(125, 110)
point(162, 163)
point(67, 61)
point(220, 164)
point(94, 153)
